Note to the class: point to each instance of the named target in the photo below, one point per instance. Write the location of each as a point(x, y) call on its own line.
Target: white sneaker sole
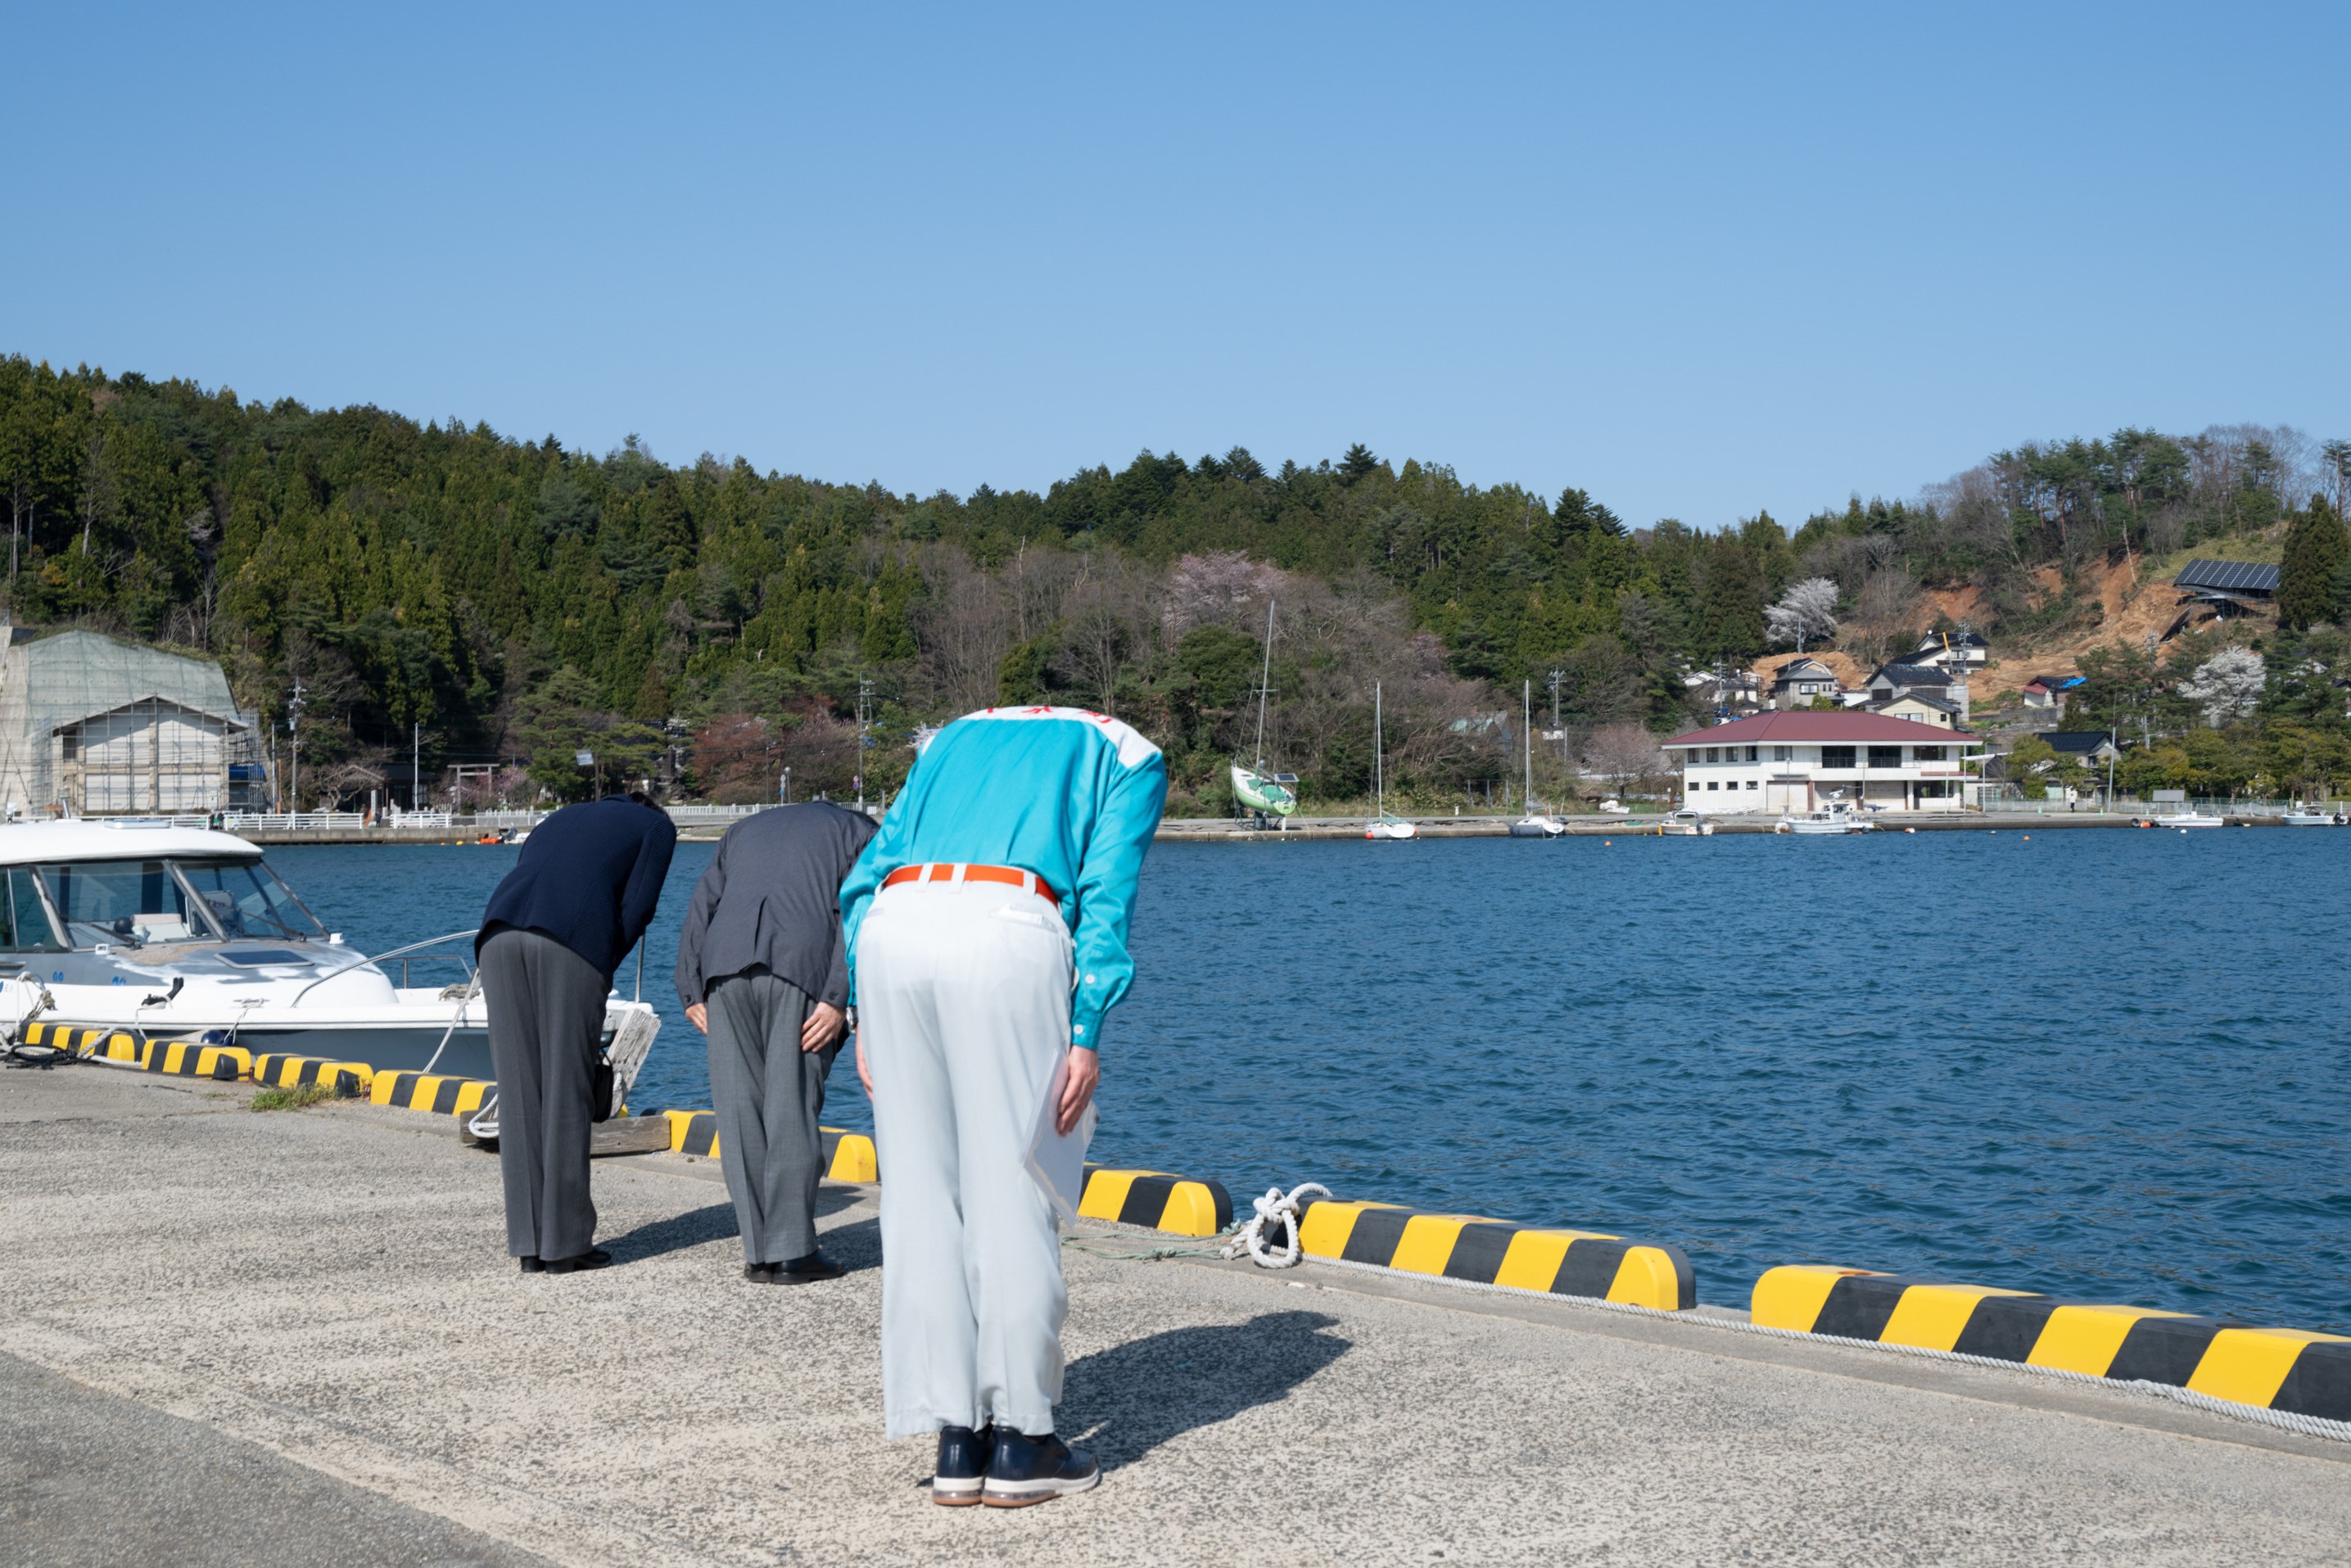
point(955, 1494)
point(1026, 1494)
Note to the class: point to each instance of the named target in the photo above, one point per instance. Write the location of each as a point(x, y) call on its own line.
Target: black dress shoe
point(806, 1271)
point(760, 1273)
point(1025, 1470)
point(594, 1257)
point(531, 1265)
point(963, 1461)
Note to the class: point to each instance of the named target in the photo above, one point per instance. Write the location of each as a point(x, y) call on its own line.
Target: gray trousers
point(768, 1093)
point(547, 1021)
point(962, 992)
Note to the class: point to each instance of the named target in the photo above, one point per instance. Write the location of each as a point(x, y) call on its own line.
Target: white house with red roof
point(1801, 761)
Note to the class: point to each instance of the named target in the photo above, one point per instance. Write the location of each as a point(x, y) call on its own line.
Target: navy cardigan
point(589, 876)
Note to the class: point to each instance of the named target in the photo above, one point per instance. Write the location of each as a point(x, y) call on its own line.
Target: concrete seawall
point(322, 1296)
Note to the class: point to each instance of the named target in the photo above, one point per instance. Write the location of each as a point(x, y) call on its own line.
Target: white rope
point(1274, 1208)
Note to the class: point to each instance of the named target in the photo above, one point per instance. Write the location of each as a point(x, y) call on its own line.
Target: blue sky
point(1699, 260)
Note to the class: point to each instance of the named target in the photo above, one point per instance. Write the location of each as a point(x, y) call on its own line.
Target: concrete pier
point(293, 1337)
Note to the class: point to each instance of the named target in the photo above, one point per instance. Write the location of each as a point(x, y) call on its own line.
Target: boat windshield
point(126, 903)
point(246, 898)
point(139, 903)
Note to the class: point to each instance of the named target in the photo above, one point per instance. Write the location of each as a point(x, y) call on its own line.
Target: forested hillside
point(709, 625)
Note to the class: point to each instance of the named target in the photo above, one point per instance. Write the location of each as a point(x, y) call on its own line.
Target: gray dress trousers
point(767, 1093)
point(547, 1023)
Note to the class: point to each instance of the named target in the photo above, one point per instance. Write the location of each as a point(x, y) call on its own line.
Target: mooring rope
point(1276, 1208)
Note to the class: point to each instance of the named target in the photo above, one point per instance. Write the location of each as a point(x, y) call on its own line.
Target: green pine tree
point(2312, 582)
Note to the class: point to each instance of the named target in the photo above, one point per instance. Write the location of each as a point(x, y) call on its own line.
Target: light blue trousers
point(963, 994)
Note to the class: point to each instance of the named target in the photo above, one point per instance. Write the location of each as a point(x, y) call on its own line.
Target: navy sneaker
point(1025, 1470)
point(963, 1461)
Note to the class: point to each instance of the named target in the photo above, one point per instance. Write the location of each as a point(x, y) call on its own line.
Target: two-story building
point(1902, 678)
point(1782, 762)
point(1799, 681)
point(1962, 651)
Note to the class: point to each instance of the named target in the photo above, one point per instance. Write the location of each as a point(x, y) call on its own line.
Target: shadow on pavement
point(1131, 1398)
point(715, 1222)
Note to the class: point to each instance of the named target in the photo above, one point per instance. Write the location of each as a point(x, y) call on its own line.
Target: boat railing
point(379, 957)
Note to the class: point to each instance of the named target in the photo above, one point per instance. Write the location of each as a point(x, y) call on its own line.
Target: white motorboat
point(2187, 819)
point(180, 933)
point(1685, 823)
point(1836, 817)
point(2299, 817)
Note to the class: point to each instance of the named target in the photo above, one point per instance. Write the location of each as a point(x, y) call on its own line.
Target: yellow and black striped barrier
point(1494, 1252)
point(350, 1079)
point(1187, 1206)
point(429, 1092)
point(103, 1044)
point(2287, 1370)
point(848, 1157)
point(193, 1059)
point(179, 1058)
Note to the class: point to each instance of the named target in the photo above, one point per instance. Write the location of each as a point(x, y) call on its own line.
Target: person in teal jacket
point(987, 927)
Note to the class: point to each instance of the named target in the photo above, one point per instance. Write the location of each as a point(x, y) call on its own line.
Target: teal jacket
point(1069, 795)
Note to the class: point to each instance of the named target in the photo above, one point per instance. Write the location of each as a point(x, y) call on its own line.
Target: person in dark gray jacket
point(762, 970)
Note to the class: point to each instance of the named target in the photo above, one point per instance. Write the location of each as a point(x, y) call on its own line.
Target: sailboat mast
point(1379, 772)
point(1527, 730)
point(1264, 675)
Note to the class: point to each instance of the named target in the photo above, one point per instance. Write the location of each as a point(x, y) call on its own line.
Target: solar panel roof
point(2229, 576)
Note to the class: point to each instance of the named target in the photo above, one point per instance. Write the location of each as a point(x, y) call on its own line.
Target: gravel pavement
point(293, 1336)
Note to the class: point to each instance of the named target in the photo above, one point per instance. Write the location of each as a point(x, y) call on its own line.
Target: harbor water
point(2105, 1065)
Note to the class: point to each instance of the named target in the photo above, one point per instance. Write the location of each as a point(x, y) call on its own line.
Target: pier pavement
point(293, 1337)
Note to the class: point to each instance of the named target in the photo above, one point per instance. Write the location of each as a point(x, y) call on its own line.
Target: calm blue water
point(2103, 1064)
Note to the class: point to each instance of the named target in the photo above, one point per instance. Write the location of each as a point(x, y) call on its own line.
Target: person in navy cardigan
point(556, 929)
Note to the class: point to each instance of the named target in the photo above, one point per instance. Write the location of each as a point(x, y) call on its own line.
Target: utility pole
point(294, 742)
point(1557, 676)
point(864, 720)
point(788, 784)
point(415, 762)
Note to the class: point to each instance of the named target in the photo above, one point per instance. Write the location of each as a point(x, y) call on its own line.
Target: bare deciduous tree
point(1805, 614)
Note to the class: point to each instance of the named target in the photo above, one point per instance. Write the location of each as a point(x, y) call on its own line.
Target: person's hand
point(698, 1014)
point(825, 1025)
point(1085, 1073)
point(864, 1074)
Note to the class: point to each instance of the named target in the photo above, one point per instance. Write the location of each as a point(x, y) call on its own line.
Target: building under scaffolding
point(91, 726)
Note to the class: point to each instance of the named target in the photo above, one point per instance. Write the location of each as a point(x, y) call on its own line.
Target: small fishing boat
point(1538, 823)
point(2300, 817)
point(1685, 823)
point(1836, 817)
point(166, 933)
point(2184, 820)
point(1385, 823)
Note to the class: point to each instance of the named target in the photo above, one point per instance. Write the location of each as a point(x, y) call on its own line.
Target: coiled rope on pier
point(1275, 1208)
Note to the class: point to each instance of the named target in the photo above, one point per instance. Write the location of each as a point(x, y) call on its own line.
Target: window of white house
point(1836, 756)
point(1927, 753)
point(1752, 753)
point(1714, 753)
point(1783, 754)
point(1751, 784)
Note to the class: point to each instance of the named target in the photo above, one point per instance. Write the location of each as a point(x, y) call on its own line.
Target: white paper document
point(1057, 1161)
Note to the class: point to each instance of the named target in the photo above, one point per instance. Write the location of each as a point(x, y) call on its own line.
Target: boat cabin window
point(128, 903)
point(246, 898)
point(23, 924)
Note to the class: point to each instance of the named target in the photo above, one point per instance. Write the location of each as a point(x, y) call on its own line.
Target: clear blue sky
point(1697, 260)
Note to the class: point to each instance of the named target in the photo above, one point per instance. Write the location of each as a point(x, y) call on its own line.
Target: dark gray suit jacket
point(772, 897)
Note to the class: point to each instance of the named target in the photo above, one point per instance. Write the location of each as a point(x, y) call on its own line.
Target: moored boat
point(2187, 819)
point(1685, 823)
point(182, 934)
point(1836, 817)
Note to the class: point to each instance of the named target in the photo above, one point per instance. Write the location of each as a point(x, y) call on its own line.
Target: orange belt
point(1028, 881)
